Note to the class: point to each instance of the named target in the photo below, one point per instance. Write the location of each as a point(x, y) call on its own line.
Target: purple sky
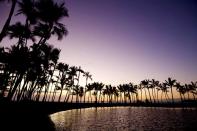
point(122, 41)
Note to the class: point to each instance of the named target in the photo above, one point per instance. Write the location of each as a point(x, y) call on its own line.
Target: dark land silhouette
point(34, 84)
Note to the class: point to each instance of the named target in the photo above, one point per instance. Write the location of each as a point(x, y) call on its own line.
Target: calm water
point(126, 119)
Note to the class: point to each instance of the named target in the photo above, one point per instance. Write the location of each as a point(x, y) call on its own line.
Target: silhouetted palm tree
point(97, 88)
point(72, 76)
point(28, 9)
point(193, 87)
point(122, 89)
point(115, 93)
point(171, 83)
point(145, 83)
point(51, 22)
point(180, 88)
point(154, 83)
point(19, 61)
point(140, 88)
point(89, 89)
point(79, 70)
point(87, 76)
point(21, 32)
point(63, 70)
point(164, 89)
point(81, 93)
point(109, 91)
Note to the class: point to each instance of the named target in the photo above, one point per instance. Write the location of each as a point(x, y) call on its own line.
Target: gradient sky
point(121, 41)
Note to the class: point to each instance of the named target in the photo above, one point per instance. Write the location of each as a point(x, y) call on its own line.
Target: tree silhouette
point(146, 85)
point(180, 88)
point(193, 89)
point(171, 82)
point(50, 23)
point(89, 89)
point(27, 71)
point(87, 76)
point(154, 83)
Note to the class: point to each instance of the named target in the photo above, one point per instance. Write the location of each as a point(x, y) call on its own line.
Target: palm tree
point(180, 88)
point(154, 83)
point(140, 88)
point(51, 22)
point(81, 93)
point(109, 91)
point(97, 88)
point(28, 9)
point(71, 76)
point(193, 87)
point(79, 70)
point(145, 83)
point(21, 32)
point(164, 89)
point(87, 76)
point(19, 61)
point(7, 23)
point(122, 90)
point(63, 70)
point(171, 83)
point(187, 88)
point(78, 91)
point(89, 89)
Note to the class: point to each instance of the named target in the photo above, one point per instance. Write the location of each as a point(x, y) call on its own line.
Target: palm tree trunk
point(141, 94)
point(20, 94)
point(167, 97)
point(129, 97)
point(172, 95)
point(188, 95)
point(153, 94)
point(54, 95)
point(90, 97)
point(66, 95)
point(137, 98)
point(149, 95)
point(60, 94)
point(181, 97)
point(85, 89)
point(184, 97)
point(162, 97)
point(18, 81)
point(121, 97)
point(99, 100)
point(158, 96)
point(145, 94)
point(194, 98)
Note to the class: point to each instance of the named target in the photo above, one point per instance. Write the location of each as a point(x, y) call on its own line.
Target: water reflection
point(125, 119)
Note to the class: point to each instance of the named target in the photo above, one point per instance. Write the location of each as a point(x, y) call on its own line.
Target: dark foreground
point(34, 116)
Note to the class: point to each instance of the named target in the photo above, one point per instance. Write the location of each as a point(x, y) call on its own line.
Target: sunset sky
point(121, 41)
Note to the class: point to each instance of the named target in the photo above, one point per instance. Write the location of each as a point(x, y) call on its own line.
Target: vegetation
point(30, 70)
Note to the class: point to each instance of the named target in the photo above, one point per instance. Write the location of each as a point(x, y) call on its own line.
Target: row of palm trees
point(149, 91)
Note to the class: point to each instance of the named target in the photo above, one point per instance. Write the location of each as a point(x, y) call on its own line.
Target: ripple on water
point(126, 119)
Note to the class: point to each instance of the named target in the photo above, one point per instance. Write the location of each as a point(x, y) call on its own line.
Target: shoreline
point(35, 116)
point(48, 108)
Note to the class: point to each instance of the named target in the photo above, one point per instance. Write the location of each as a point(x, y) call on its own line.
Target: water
point(126, 119)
